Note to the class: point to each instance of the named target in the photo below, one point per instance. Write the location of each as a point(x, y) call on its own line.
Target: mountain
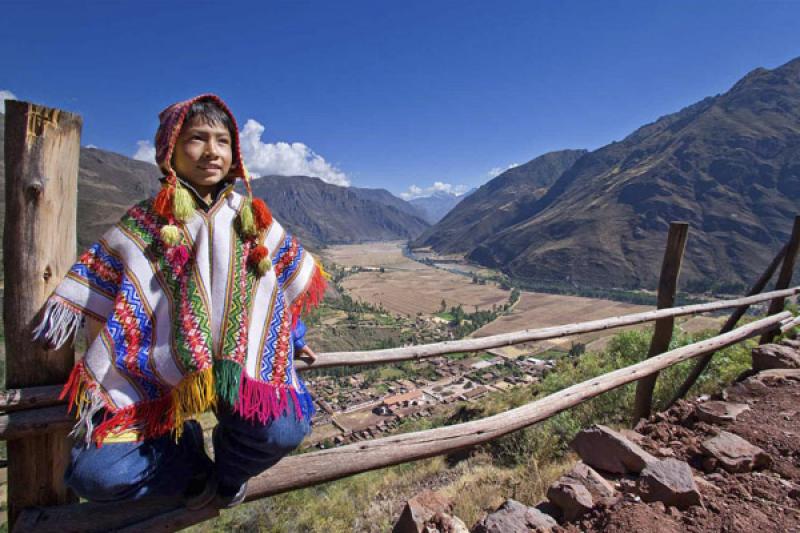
point(109, 183)
point(498, 204)
point(728, 165)
point(437, 205)
point(322, 213)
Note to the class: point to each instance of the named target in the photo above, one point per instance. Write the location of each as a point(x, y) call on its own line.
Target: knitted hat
point(176, 204)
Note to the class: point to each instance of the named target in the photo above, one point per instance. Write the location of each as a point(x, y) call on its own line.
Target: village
point(356, 407)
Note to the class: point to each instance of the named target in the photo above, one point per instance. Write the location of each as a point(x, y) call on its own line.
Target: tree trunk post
point(703, 362)
point(42, 150)
point(662, 335)
point(785, 276)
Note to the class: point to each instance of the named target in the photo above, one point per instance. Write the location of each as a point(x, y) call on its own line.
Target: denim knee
point(131, 470)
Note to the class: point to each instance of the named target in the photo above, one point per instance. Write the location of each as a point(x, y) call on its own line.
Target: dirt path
point(765, 499)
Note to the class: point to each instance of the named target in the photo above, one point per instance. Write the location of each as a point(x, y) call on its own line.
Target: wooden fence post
point(703, 362)
point(785, 276)
point(662, 335)
point(42, 150)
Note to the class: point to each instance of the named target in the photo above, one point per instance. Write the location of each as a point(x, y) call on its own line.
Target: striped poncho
point(179, 336)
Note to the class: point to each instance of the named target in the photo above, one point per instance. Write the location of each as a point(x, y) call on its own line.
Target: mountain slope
point(322, 213)
point(500, 203)
point(437, 205)
point(729, 165)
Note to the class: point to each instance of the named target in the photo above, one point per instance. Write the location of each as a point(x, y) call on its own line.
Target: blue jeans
point(161, 467)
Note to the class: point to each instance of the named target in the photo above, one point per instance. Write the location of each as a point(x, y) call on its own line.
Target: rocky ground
point(729, 463)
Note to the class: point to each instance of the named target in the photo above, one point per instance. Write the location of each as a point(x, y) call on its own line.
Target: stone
point(445, 523)
point(770, 356)
point(419, 510)
point(734, 454)
point(715, 412)
point(572, 498)
point(791, 343)
point(671, 482)
point(778, 374)
point(515, 517)
point(604, 449)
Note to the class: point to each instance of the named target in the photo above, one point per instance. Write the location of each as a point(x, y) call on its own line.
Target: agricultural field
point(407, 287)
point(539, 310)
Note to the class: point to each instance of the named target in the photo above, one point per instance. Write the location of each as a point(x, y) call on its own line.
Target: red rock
point(420, 509)
point(720, 412)
point(669, 481)
point(734, 454)
point(770, 356)
point(514, 517)
point(604, 449)
point(572, 498)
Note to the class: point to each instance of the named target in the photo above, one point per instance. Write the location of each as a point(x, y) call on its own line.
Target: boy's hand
point(306, 354)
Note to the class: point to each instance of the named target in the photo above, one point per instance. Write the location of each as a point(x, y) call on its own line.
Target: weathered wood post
point(662, 335)
point(785, 277)
point(704, 361)
point(42, 149)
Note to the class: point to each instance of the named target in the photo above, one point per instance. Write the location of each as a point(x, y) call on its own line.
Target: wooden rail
point(309, 469)
point(24, 422)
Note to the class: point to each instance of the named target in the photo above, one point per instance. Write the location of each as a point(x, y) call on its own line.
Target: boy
point(192, 302)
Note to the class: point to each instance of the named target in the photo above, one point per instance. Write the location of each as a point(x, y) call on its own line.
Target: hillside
point(109, 183)
point(437, 205)
point(326, 214)
point(729, 165)
point(498, 204)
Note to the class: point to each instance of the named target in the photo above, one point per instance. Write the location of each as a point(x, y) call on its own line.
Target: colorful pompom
point(247, 221)
point(259, 258)
point(183, 204)
point(178, 256)
point(163, 202)
point(262, 214)
point(171, 235)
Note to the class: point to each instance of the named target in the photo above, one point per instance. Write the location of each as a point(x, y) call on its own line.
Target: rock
point(734, 454)
point(770, 356)
point(720, 412)
point(445, 523)
point(420, 509)
point(514, 517)
point(572, 498)
point(778, 374)
point(605, 449)
point(791, 343)
point(669, 481)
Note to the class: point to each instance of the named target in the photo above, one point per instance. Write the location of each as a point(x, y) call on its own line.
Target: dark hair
point(210, 113)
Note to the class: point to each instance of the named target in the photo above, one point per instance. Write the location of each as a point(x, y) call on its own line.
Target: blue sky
point(390, 94)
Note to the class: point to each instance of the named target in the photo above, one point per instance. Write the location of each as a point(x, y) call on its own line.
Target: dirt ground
point(763, 500)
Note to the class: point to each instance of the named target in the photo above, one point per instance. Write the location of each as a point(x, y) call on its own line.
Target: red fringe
point(73, 385)
point(150, 419)
point(262, 214)
point(311, 298)
point(262, 401)
point(162, 205)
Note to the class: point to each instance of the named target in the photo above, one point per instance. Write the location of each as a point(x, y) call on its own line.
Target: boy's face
point(203, 154)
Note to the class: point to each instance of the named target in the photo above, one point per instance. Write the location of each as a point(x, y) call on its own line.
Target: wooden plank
point(42, 148)
point(30, 398)
point(424, 351)
point(702, 363)
point(309, 469)
point(785, 276)
point(32, 422)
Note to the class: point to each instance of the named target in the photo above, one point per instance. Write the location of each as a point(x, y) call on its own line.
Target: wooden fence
point(41, 176)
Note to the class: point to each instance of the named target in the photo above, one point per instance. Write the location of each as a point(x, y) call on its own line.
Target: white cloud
point(145, 152)
point(285, 159)
point(5, 95)
point(496, 171)
point(438, 186)
point(90, 146)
